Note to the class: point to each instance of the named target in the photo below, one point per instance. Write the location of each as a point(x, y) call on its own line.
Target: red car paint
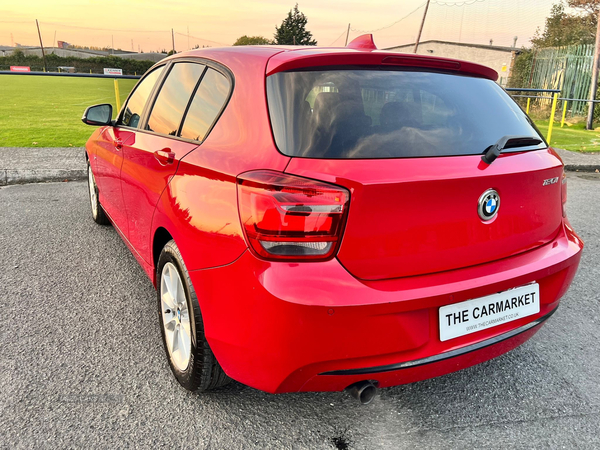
point(463, 240)
point(283, 326)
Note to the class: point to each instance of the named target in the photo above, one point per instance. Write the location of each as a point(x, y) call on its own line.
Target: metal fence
point(568, 69)
point(533, 94)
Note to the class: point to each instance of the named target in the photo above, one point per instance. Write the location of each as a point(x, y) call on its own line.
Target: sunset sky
point(146, 24)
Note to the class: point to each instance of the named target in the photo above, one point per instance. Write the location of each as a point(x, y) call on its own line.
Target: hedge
point(83, 65)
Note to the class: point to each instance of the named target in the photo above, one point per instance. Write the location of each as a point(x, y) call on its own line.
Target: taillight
point(286, 217)
point(564, 194)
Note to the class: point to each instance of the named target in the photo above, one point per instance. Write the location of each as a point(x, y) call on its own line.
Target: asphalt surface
point(82, 364)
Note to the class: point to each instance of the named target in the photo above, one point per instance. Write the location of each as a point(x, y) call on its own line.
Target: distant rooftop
point(459, 44)
point(116, 52)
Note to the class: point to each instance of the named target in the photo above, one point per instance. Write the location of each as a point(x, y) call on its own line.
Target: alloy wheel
point(93, 196)
point(175, 316)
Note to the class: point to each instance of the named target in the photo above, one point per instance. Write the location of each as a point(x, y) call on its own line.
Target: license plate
point(487, 312)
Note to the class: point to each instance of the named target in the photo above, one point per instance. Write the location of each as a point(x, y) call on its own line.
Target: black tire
point(203, 372)
point(98, 213)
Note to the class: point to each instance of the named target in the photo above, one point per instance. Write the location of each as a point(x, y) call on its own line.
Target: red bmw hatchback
point(316, 219)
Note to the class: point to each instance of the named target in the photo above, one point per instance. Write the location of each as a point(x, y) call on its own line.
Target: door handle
point(165, 156)
point(118, 144)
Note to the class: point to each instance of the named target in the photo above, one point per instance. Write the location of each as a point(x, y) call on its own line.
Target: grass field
point(574, 137)
point(46, 111)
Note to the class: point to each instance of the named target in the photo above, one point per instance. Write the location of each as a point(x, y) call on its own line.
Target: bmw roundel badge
point(489, 204)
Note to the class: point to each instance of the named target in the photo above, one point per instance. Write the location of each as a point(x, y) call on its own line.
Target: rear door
point(109, 151)
point(408, 146)
point(107, 172)
point(174, 126)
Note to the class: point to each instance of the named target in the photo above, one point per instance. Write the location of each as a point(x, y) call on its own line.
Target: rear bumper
point(287, 327)
point(446, 355)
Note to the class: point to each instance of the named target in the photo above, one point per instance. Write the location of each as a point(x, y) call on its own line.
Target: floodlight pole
point(421, 27)
point(347, 35)
point(173, 38)
point(41, 45)
point(594, 86)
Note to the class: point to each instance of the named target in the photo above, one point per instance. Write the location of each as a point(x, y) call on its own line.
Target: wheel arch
point(160, 239)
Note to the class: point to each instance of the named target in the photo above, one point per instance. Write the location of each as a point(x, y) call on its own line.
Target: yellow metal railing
point(118, 97)
point(554, 99)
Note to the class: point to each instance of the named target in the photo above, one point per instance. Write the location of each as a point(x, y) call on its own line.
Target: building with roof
point(497, 57)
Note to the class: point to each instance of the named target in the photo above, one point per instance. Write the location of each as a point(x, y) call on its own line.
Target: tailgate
point(417, 216)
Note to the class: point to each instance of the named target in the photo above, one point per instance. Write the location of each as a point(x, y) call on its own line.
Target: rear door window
point(370, 113)
point(132, 111)
point(173, 98)
point(206, 105)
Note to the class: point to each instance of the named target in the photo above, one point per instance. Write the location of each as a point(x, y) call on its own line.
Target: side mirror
point(98, 115)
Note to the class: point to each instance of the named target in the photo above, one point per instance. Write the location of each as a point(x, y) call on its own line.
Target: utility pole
point(347, 35)
point(421, 27)
point(173, 38)
point(462, 18)
point(41, 45)
point(594, 86)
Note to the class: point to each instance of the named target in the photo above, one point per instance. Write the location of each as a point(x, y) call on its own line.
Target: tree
point(18, 54)
point(293, 30)
point(562, 28)
point(521, 70)
point(590, 6)
point(252, 40)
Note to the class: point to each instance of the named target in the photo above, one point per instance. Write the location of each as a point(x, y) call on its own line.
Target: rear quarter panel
point(199, 206)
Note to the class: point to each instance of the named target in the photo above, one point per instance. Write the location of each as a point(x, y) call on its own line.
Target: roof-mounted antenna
point(364, 42)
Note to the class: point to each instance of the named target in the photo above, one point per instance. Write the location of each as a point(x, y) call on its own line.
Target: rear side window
point(390, 114)
point(173, 98)
point(206, 105)
point(135, 105)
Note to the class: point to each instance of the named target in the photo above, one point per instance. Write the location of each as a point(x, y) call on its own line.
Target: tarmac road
point(82, 364)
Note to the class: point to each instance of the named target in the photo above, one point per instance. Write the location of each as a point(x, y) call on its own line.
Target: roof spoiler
point(366, 54)
point(363, 42)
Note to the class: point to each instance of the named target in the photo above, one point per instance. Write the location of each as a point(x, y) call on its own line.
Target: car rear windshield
point(370, 113)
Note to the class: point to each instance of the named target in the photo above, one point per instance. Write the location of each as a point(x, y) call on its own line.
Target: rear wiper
point(492, 152)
